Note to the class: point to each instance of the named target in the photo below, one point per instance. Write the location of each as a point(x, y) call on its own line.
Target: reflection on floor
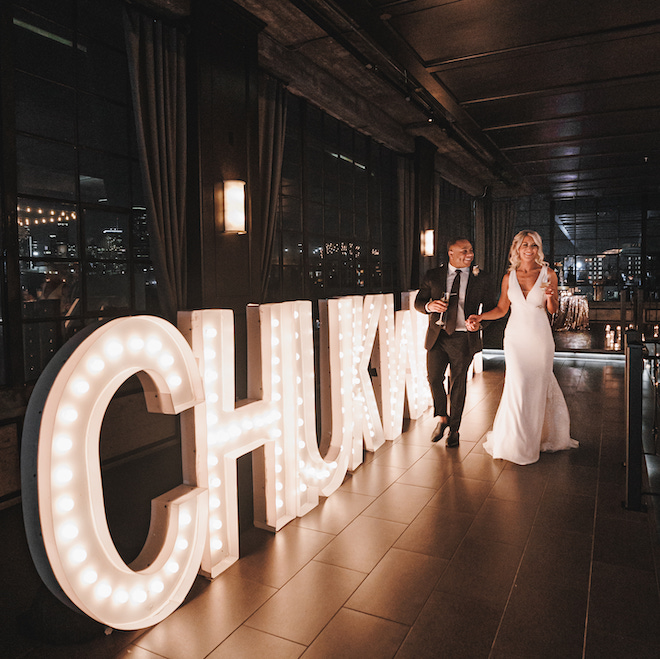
point(428, 552)
point(576, 340)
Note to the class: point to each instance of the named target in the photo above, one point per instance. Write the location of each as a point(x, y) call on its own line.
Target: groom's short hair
point(452, 241)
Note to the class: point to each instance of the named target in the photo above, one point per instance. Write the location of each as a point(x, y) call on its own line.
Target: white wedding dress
point(532, 415)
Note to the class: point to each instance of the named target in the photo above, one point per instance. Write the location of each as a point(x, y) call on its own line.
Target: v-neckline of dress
point(533, 285)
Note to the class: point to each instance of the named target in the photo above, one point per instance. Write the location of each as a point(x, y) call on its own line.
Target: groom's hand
point(472, 323)
point(437, 306)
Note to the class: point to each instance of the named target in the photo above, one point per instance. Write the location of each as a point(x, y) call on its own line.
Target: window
point(337, 211)
point(82, 250)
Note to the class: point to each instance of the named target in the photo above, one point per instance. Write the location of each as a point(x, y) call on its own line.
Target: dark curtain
point(157, 64)
point(272, 127)
point(498, 220)
point(406, 224)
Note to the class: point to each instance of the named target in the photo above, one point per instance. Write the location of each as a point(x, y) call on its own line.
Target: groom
point(456, 343)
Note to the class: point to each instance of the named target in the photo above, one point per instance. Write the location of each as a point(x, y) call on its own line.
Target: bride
point(532, 415)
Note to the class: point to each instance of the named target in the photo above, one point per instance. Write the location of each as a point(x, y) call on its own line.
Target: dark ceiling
point(556, 98)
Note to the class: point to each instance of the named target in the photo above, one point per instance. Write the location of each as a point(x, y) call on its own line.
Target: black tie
point(453, 303)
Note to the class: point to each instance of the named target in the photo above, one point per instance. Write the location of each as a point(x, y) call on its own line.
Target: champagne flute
point(441, 322)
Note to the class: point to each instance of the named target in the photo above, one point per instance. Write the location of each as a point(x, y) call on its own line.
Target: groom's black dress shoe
point(452, 440)
point(439, 431)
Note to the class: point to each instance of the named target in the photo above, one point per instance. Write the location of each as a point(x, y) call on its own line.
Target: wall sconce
point(233, 218)
point(427, 242)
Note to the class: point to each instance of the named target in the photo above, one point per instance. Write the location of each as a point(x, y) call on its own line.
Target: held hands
point(473, 323)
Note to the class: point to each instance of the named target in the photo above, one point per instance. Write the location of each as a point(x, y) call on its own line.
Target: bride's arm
point(551, 292)
point(497, 312)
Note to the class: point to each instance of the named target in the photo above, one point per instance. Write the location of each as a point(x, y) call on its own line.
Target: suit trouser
point(454, 351)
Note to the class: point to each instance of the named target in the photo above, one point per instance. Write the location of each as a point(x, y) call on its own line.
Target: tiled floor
point(433, 552)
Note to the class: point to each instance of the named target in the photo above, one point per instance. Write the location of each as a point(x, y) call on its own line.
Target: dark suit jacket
point(479, 291)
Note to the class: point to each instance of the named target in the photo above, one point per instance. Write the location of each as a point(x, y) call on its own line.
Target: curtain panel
point(406, 223)
point(495, 222)
point(273, 99)
point(157, 67)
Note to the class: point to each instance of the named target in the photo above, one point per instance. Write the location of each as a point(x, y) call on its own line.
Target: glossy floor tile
point(423, 551)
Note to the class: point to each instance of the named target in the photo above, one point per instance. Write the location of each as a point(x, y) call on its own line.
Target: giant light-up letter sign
point(196, 524)
point(277, 424)
point(61, 477)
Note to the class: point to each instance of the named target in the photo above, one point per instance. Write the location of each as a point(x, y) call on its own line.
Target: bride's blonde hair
point(514, 252)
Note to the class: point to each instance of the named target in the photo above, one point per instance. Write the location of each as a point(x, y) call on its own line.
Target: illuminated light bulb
point(65, 504)
point(213, 460)
point(216, 524)
point(181, 544)
point(297, 356)
point(154, 346)
point(212, 398)
point(275, 341)
point(113, 349)
point(296, 315)
point(210, 376)
point(95, 365)
point(277, 396)
point(341, 336)
point(279, 486)
point(166, 360)
point(275, 322)
point(80, 387)
point(279, 503)
point(303, 487)
point(278, 469)
point(210, 332)
point(135, 344)
point(63, 475)
point(216, 482)
point(77, 555)
point(275, 361)
point(275, 432)
point(214, 503)
point(172, 567)
point(301, 423)
point(235, 431)
point(156, 586)
point(279, 450)
point(174, 381)
point(69, 414)
point(299, 401)
point(120, 596)
point(209, 353)
point(138, 595)
point(298, 380)
point(216, 544)
point(247, 424)
point(103, 590)
point(69, 531)
point(211, 419)
point(89, 576)
point(63, 443)
point(301, 444)
point(301, 464)
point(184, 518)
point(276, 379)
